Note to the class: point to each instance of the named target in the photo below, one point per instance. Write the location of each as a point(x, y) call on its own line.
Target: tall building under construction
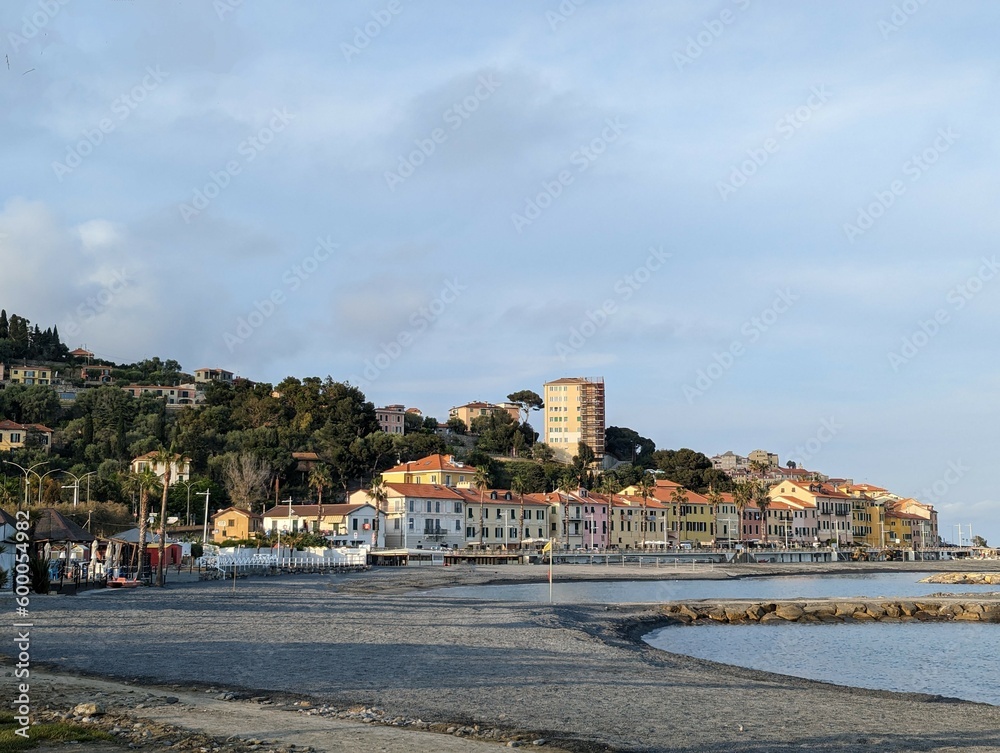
point(574, 413)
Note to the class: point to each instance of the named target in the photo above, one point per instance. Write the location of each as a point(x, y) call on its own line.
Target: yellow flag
point(547, 548)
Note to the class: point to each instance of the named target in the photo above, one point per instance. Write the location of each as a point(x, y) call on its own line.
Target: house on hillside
point(14, 436)
point(180, 466)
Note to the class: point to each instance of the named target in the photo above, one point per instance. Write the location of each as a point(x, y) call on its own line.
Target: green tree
point(481, 480)
point(526, 401)
point(145, 482)
point(647, 485)
point(319, 479)
point(714, 500)
point(519, 486)
point(761, 498)
point(627, 445)
point(379, 495)
point(692, 470)
point(680, 498)
point(165, 459)
point(742, 498)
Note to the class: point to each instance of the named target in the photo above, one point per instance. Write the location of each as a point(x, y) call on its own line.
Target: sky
point(766, 225)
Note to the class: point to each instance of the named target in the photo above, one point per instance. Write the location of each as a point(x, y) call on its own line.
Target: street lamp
point(204, 535)
point(75, 486)
point(26, 471)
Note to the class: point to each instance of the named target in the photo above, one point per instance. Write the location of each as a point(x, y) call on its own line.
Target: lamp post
point(206, 494)
point(26, 471)
point(75, 486)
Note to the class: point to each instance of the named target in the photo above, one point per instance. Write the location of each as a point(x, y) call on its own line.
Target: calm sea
point(950, 659)
point(630, 592)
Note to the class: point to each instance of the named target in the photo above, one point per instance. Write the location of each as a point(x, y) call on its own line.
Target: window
point(458, 507)
point(458, 526)
point(527, 514)
point(437, 505)
point(15, 437)
point(354, 524)
point(411, 505)
point(428, 505)
point(470, 513)
point(499, 533)
point(395, 524)
point(409, 524)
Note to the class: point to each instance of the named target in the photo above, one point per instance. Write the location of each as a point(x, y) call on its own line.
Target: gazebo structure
point(53, 532)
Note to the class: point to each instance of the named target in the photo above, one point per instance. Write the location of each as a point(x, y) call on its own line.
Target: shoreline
point(579, 676)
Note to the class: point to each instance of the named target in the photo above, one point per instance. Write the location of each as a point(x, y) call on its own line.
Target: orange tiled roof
point(424, 491)
point(432, 463)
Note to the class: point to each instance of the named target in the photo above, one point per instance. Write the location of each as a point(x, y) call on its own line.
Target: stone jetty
point(741, 612)
point(966, 579)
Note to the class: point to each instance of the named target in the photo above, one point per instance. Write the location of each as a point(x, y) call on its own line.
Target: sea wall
point(833, 610)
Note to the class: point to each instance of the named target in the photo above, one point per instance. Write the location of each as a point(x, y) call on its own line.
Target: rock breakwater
point(833, 611)
point(967, 579)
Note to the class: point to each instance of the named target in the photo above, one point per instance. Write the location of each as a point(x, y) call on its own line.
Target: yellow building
point(13, 436)
point(235, 523)
point(692, 521)
point(868, 521)
point(466, 413)
point(574, 413)
point(907, 530)
point(433, 469)
point(29, 374)
point(928, 534)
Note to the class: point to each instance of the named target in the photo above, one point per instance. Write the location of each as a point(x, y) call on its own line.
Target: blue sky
point(766, 225)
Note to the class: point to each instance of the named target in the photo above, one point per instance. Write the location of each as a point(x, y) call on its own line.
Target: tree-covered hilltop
point(21, 341)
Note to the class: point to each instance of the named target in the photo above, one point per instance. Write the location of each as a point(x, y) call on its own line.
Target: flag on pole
point(547, 548)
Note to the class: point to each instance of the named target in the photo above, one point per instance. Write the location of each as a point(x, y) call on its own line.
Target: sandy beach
point(576, 676)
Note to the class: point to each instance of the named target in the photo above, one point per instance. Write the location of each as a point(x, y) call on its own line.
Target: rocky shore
point(578, 677)
point(966, 579)
point(833, 610)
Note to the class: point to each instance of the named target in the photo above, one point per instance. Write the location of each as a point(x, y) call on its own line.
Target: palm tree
point(646, 488)
point(679, 497)
point(482, 482)
point(610, 486)
point(742, 494)
point(763, 501)
point(714, 500)
point(165, 459)
point(320, 478)
point(566, 484)
point(145, 481)
point(377, 493)
point(519, 486)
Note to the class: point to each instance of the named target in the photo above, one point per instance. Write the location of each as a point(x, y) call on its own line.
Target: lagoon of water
point(951, 659)
point(654, 591)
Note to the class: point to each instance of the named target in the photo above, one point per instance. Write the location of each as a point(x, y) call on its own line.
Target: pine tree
point(4, 326)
